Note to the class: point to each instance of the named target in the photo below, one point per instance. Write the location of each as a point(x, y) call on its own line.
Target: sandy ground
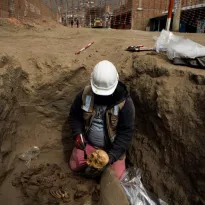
point(45, 53)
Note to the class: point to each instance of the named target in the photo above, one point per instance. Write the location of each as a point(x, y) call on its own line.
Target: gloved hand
point(91, 172)
point(79, 144)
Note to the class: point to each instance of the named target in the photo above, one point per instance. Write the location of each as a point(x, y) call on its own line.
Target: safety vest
point(112, 114)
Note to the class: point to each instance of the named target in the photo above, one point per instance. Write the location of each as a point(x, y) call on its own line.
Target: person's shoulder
point(129, 105)
point(80, 93)
point(85, 89)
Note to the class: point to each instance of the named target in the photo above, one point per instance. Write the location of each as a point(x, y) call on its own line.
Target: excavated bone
point(98, 159)
point(59, 194)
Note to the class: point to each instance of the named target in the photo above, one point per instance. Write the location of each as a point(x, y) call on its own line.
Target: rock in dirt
point(111, 191)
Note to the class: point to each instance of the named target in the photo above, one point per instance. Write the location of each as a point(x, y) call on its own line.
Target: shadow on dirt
point(66, 140)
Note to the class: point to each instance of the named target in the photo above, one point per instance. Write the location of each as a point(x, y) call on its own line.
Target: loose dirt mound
point(45, 183)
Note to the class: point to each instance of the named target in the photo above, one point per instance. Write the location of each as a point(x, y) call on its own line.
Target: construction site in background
point(149, 15)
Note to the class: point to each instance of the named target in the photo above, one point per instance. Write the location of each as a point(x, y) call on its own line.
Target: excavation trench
point(168, 144)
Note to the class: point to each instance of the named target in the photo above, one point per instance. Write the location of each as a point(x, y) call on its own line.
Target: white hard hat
point(104, 78)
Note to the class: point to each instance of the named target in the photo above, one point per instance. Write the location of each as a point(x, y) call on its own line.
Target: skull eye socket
point(92, 156)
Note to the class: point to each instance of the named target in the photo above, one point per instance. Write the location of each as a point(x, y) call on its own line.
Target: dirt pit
point(39, 78)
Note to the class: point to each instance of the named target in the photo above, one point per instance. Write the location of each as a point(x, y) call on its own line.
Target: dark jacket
point(125, 127)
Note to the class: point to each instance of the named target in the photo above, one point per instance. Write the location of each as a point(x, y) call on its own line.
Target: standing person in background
point(71, 23)
point(77, 23)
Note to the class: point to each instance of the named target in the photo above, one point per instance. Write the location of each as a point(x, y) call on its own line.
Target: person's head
point(104, 78)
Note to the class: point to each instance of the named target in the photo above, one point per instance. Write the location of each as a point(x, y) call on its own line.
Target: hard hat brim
point(103, 92)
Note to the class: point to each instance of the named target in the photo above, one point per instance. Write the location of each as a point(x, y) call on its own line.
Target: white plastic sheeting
point(178, 47)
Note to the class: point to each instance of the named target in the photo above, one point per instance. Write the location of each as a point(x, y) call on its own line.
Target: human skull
point(98, 159)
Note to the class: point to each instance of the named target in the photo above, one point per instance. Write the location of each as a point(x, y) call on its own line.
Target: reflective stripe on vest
point(88, 99)
point(116, 110)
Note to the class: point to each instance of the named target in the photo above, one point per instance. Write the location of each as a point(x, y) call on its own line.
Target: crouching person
point(102, 118)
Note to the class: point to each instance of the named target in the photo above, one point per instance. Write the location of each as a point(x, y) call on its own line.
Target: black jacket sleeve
point(125, 131)
point(76, 116)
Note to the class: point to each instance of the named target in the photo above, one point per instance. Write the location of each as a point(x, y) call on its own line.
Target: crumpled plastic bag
point(184, 48)
point(178, 47)
point(135, 191)
point(163, 40)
